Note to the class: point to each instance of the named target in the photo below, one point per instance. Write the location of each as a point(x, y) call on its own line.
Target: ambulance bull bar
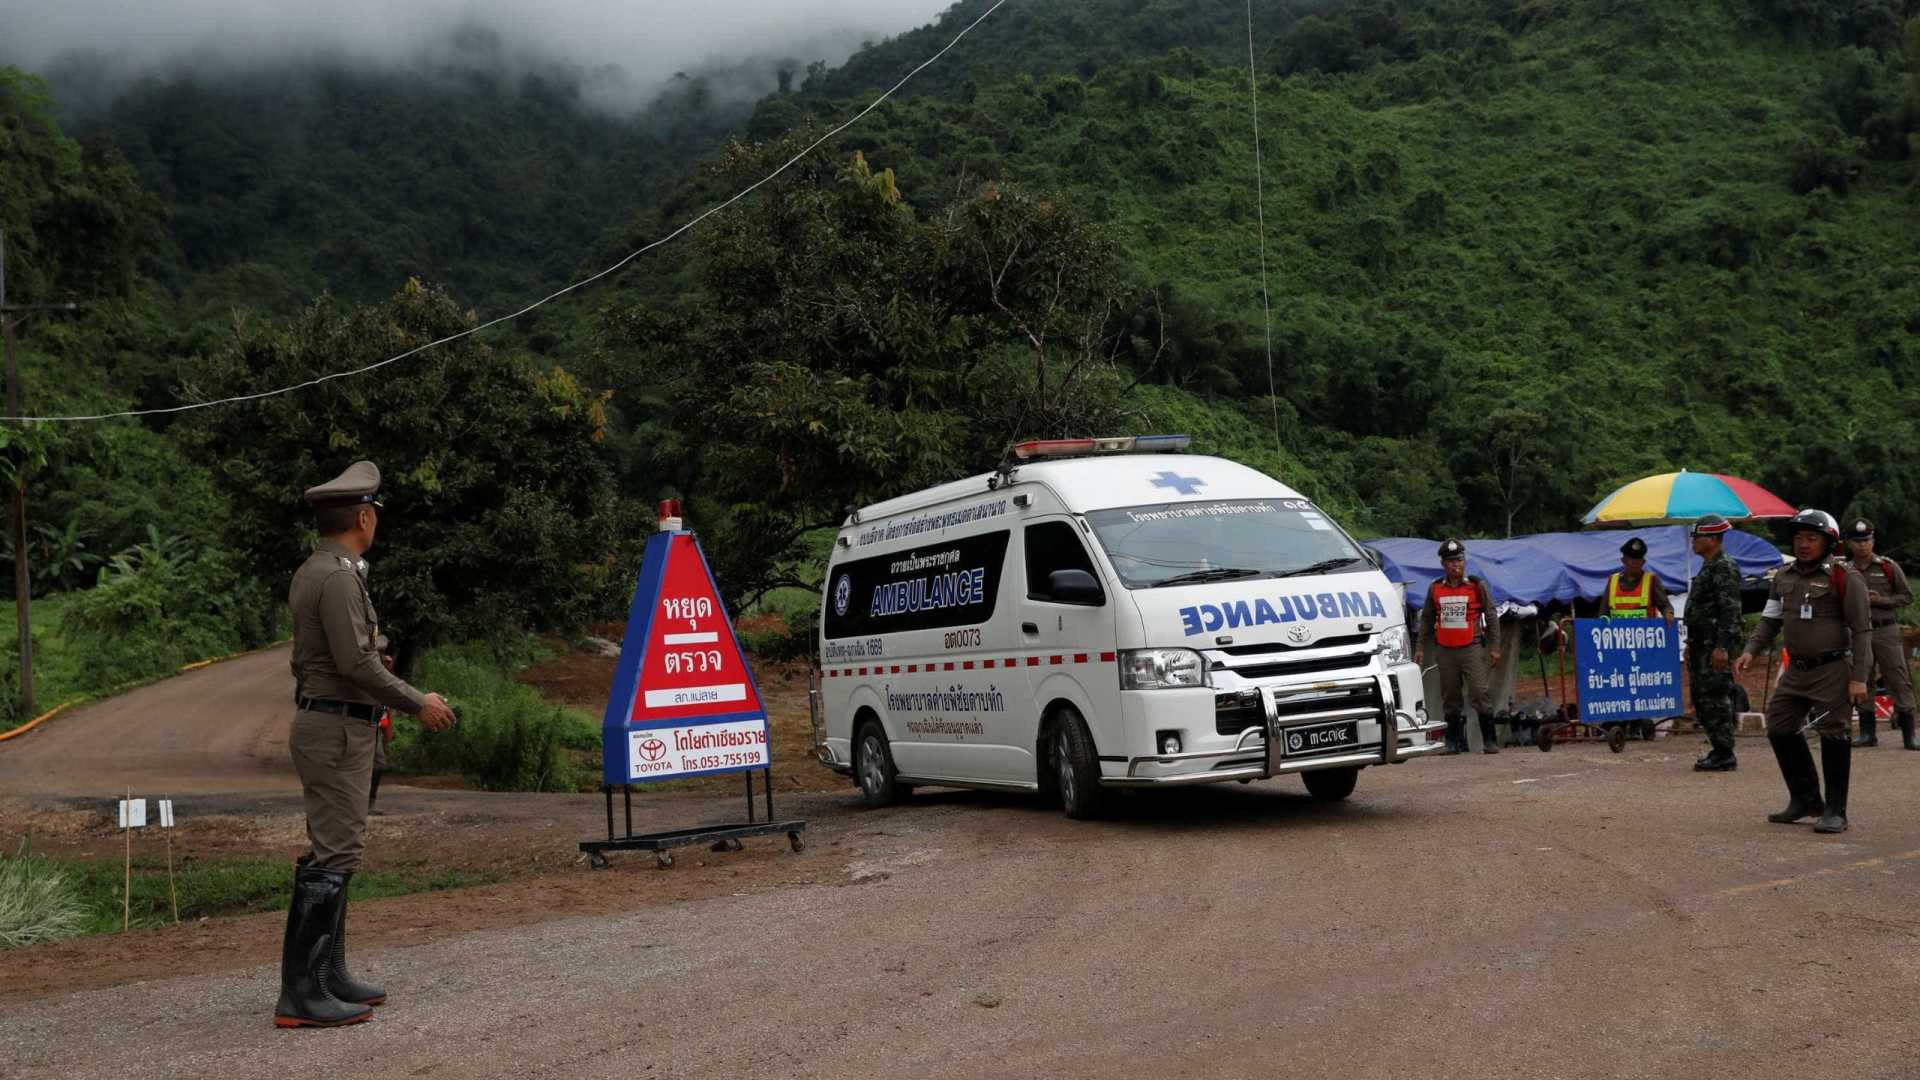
point(1270, 738)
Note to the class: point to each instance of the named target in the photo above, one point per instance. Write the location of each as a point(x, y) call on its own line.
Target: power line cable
point(416, 350)
point(1260, 204)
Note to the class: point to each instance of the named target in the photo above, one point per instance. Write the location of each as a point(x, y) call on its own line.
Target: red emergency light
point(1126, 444)
point(668, 514)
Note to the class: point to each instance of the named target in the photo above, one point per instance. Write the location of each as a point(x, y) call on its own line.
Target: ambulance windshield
point(1191, 543)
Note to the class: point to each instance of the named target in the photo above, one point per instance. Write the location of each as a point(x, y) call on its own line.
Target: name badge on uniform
point(1806, 609)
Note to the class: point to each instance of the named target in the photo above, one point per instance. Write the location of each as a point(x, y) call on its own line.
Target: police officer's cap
point(359, 485)
point(1634, 548)
point(1861, 529)
point(1452, 549)
point(1712, 525)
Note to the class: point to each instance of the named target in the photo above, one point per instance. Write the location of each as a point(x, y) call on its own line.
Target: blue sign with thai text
point(1629, 669)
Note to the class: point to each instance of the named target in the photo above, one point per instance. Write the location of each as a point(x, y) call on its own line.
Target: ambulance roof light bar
point(1039, 449)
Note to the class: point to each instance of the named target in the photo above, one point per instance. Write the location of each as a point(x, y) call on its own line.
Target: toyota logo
point(1299, 635)
point(653, 749)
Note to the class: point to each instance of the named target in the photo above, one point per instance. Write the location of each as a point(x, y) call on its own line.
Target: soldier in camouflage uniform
point(1713, 637)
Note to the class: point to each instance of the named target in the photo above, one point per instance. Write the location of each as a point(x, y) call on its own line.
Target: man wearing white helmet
point(1821, 604)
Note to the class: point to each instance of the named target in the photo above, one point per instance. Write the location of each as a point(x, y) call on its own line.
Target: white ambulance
point(1110, 613)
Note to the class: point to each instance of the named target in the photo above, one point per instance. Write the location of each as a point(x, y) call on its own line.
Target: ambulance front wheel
point(1076, 766)
point(873, 763)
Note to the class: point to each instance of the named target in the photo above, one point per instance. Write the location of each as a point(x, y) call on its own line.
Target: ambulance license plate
point(1312, 739)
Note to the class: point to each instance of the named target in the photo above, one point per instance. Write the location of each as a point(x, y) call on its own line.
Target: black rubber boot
point(1905, 720)
point(339, 979)
point(1803, 783)
point(1836, 756)
point(373, 793)
point(1456, 733)
point(1717, 760)
point(1868, 723)
point(306, 954)
point(1489, 742)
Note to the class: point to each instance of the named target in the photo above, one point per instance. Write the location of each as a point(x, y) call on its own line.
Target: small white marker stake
point(127, 812)
point(166, 822)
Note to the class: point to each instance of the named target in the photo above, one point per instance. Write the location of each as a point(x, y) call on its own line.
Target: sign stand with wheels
point(684, 702)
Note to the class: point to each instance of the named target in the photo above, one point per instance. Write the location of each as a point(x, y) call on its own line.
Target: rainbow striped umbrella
point(1675, 497)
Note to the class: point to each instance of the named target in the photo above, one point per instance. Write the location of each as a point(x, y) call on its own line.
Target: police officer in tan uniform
point(340, 687)
point(1821, 604)
point(1887, 593)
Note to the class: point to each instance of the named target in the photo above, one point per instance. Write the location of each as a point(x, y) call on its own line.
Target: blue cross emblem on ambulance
point(1185, 485)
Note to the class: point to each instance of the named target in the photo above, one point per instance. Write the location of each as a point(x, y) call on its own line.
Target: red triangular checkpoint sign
point(691, 665)
point(684, 702)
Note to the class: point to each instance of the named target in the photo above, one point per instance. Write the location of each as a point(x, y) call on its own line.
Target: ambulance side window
point(1051, 546)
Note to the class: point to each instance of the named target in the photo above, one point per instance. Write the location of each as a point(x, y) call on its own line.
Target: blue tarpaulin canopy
point(1549, 567)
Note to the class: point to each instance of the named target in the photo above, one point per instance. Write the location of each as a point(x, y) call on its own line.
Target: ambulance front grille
point(1250, 662)
point(1236, 712)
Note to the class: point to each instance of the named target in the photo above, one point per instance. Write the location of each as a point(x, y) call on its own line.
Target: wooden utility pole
point(22, 596)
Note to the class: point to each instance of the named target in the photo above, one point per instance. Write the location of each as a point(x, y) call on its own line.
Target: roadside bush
point(38, 902)
point(508, 738)
point(163, 603)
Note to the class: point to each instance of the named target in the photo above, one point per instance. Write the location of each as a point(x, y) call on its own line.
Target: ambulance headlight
point(1393, 645)
point(1161, 669)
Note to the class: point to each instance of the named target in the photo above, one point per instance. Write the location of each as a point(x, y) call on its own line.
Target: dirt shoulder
point(528, 842)
point(214, 740)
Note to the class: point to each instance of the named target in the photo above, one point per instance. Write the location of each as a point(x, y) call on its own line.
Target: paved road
point(214, 730)
point(1574, 914)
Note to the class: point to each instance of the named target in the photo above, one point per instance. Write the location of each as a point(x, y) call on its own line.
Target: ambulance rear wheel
point(1076, 767)
point(1330, 785)
point(873, 764)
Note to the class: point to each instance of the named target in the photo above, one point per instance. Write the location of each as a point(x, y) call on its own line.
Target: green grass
point(509, 738)
point(60, 667)
point(42, 898)
point(39, 901)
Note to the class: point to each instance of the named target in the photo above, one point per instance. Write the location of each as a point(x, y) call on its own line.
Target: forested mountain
point(285, 182)
point(1518, 252)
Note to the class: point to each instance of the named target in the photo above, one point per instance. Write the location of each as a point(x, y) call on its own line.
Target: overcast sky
point(649, 39)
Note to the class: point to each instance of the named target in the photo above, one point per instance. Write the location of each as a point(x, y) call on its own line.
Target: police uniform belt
point(1821, 659)
point(355, 709)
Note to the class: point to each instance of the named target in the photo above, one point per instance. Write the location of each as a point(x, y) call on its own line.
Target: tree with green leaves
point(843, 349)
point(501, 511)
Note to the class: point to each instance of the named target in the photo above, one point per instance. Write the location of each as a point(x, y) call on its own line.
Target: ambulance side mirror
point(1074, 587)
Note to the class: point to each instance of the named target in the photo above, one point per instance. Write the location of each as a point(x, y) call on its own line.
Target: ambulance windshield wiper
point(1321, 567)
point(1218, 573)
